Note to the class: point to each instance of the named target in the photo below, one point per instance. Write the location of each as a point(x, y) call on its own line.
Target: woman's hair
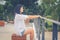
point(17, 8)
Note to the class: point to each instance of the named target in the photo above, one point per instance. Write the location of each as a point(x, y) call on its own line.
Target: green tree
point(52, 9)
point(1, 12)
point(10, 5)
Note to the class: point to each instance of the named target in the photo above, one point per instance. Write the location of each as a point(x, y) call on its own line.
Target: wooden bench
point(17, 37)
point(2, 23)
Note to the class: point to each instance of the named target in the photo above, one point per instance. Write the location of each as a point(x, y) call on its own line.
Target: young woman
point(19, 22)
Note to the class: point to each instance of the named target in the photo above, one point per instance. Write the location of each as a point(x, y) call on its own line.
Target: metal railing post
point(39, 23)
point(55, 32)
point(43, 31)
point(37, 27)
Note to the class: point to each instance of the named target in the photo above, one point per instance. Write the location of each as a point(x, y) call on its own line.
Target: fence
point(41, 22)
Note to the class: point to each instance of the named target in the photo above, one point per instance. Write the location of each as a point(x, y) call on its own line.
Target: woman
point(19, 22)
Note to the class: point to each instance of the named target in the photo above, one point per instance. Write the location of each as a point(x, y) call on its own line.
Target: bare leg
point(31, 32)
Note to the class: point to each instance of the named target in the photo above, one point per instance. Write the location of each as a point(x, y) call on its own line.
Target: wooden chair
point(17, 37)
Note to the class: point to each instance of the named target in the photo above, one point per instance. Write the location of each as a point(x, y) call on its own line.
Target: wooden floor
point(6, 32)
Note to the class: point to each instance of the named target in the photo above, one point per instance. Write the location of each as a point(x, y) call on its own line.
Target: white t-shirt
point(19, 23)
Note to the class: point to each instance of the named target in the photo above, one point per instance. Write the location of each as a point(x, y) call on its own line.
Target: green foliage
point(1, 12)
point(50, 29)
point(49, 1)
point(1, 9)
point(10, 5)
point(52, 8)
point(48, 7)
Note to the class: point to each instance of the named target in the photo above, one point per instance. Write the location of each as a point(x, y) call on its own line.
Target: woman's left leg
point(31, 32)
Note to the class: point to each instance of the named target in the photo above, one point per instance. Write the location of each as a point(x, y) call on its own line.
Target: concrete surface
point(8, 29)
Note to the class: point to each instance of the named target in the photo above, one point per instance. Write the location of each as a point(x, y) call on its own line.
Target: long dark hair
point(17, 8)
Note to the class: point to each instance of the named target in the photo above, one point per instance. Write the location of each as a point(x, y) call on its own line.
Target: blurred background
point(46, 8)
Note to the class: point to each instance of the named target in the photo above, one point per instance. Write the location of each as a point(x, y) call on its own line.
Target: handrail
point(50, 20)
point(38, 26)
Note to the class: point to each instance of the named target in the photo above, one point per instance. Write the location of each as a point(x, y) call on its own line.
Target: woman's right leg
point(31, 32)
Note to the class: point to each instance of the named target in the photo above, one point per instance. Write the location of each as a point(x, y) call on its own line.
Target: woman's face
point(21, 9)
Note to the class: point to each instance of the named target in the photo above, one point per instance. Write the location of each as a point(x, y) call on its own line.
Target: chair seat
point(17, 37)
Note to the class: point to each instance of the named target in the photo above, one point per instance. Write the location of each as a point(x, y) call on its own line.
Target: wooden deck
point(6, 32)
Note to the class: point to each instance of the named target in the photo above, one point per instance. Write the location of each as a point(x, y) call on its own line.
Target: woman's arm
point(30, 17)
point(33, 16)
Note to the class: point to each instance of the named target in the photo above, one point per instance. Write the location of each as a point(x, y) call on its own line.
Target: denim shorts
point(22, 33)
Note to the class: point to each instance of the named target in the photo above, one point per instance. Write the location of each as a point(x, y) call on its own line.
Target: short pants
point(22, 33)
